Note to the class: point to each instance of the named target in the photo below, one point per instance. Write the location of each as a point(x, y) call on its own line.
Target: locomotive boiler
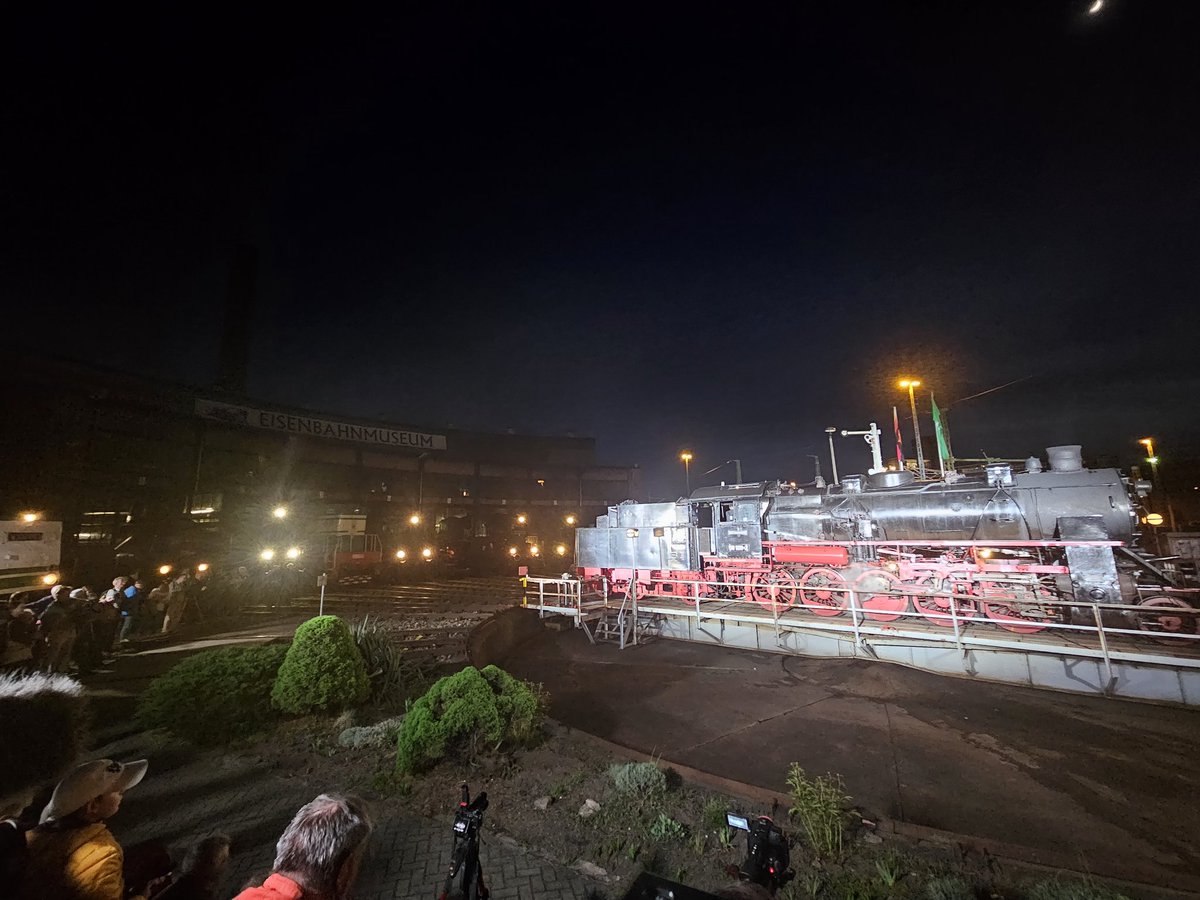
point(1020, 546)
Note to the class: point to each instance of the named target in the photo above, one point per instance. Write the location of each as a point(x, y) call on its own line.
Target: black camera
point(468, 818)
point(767, 858)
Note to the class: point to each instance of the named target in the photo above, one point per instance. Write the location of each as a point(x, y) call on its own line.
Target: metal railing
point(949, 617)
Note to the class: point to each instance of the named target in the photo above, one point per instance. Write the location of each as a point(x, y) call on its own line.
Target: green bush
point(214, 696)
point(664, 829)
point(323, 670)
point(467, 713)
point(638, 779)
point(819, 803)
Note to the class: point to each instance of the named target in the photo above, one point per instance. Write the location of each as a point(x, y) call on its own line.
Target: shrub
point(1063, 889)
point(664, 828)
point(818, 804)
point(638, 779)
point(466, 713)
point(381, 734)
point(391, 673)
point(323, 670)
point(214, 696)
point(948, 887)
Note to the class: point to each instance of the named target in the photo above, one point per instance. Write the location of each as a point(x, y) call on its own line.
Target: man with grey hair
point(319, 853)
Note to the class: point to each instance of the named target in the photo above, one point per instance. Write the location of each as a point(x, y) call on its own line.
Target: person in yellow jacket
point(72, 854)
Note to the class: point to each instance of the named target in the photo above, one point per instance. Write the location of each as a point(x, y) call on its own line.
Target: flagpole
point(899, 440)
point(938, 427)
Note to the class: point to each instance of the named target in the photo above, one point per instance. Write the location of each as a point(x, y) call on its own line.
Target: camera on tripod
point(768, 862)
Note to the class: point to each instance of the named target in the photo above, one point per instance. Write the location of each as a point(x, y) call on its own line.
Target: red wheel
point(824, 592)
point(1163, 619)
point(937, 608)
point(775, 587)
point(875, 593)
point(1019, 614)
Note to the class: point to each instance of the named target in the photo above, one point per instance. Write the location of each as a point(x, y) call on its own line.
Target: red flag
point(899, 440)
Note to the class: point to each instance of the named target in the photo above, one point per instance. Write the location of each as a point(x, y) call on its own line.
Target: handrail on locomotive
point(1021, 547)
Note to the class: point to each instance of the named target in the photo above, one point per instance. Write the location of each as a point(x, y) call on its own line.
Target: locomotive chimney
point(1067, 458)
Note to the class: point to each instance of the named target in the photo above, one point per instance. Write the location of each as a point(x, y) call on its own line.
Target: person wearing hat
point(72, 854)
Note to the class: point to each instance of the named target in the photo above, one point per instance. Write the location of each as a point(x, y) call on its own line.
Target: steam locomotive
point(1020, 546)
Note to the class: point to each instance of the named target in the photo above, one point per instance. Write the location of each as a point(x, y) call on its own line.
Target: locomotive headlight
point(50, 578)
point(513, 551)
point(427, 552)
point(30, 517)
point(401, 555)
point(1154, 519)
point(293, 553)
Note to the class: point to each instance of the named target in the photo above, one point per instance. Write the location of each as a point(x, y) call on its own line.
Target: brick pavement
point(189, 795)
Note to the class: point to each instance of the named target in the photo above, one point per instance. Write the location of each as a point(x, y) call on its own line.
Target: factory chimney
point(239, 309)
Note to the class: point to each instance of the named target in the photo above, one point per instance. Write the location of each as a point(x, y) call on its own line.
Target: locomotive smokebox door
point(1093, 570)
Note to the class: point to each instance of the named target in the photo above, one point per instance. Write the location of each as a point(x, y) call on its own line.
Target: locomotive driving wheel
point(775, 587)
point(1166, 620)
point(876, 593)
point(824, 592)
point(1014, 609)
point(937, 608)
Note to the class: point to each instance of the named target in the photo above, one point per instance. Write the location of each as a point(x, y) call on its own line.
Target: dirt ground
point(617, 843)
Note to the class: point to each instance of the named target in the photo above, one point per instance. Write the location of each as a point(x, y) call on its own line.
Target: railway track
point(429, 619)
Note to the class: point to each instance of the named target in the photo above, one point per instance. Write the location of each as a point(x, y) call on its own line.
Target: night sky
point(716, 226)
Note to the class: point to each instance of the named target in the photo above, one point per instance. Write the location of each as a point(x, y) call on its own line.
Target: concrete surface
point(1110, 782)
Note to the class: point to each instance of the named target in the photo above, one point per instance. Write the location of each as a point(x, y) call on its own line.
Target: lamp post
point(830, 432)
point(1152, 458)
point(686, 456)
point(912, 383)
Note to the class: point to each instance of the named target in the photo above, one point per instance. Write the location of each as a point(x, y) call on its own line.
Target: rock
point(541, 803)
point(591, 870)
point(871, 838)
point(589, 809)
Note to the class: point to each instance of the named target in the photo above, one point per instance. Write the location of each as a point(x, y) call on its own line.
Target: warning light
point(1154, 519)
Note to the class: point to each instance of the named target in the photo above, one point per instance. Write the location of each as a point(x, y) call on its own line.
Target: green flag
point(939, 429)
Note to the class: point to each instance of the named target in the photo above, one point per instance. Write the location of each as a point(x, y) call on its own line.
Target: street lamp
point(414, 519)
point(571, 520)
point(30, 517)
point(686, 456)
point(911, 383)
point(1152, 458)
point(280, 512)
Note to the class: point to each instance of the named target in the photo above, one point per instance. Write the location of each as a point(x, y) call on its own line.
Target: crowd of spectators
point(82, 629)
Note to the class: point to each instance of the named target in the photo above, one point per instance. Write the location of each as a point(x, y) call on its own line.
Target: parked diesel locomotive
point(1021, 548)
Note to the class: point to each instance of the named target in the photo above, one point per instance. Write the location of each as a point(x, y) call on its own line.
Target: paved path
point(188, 796)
